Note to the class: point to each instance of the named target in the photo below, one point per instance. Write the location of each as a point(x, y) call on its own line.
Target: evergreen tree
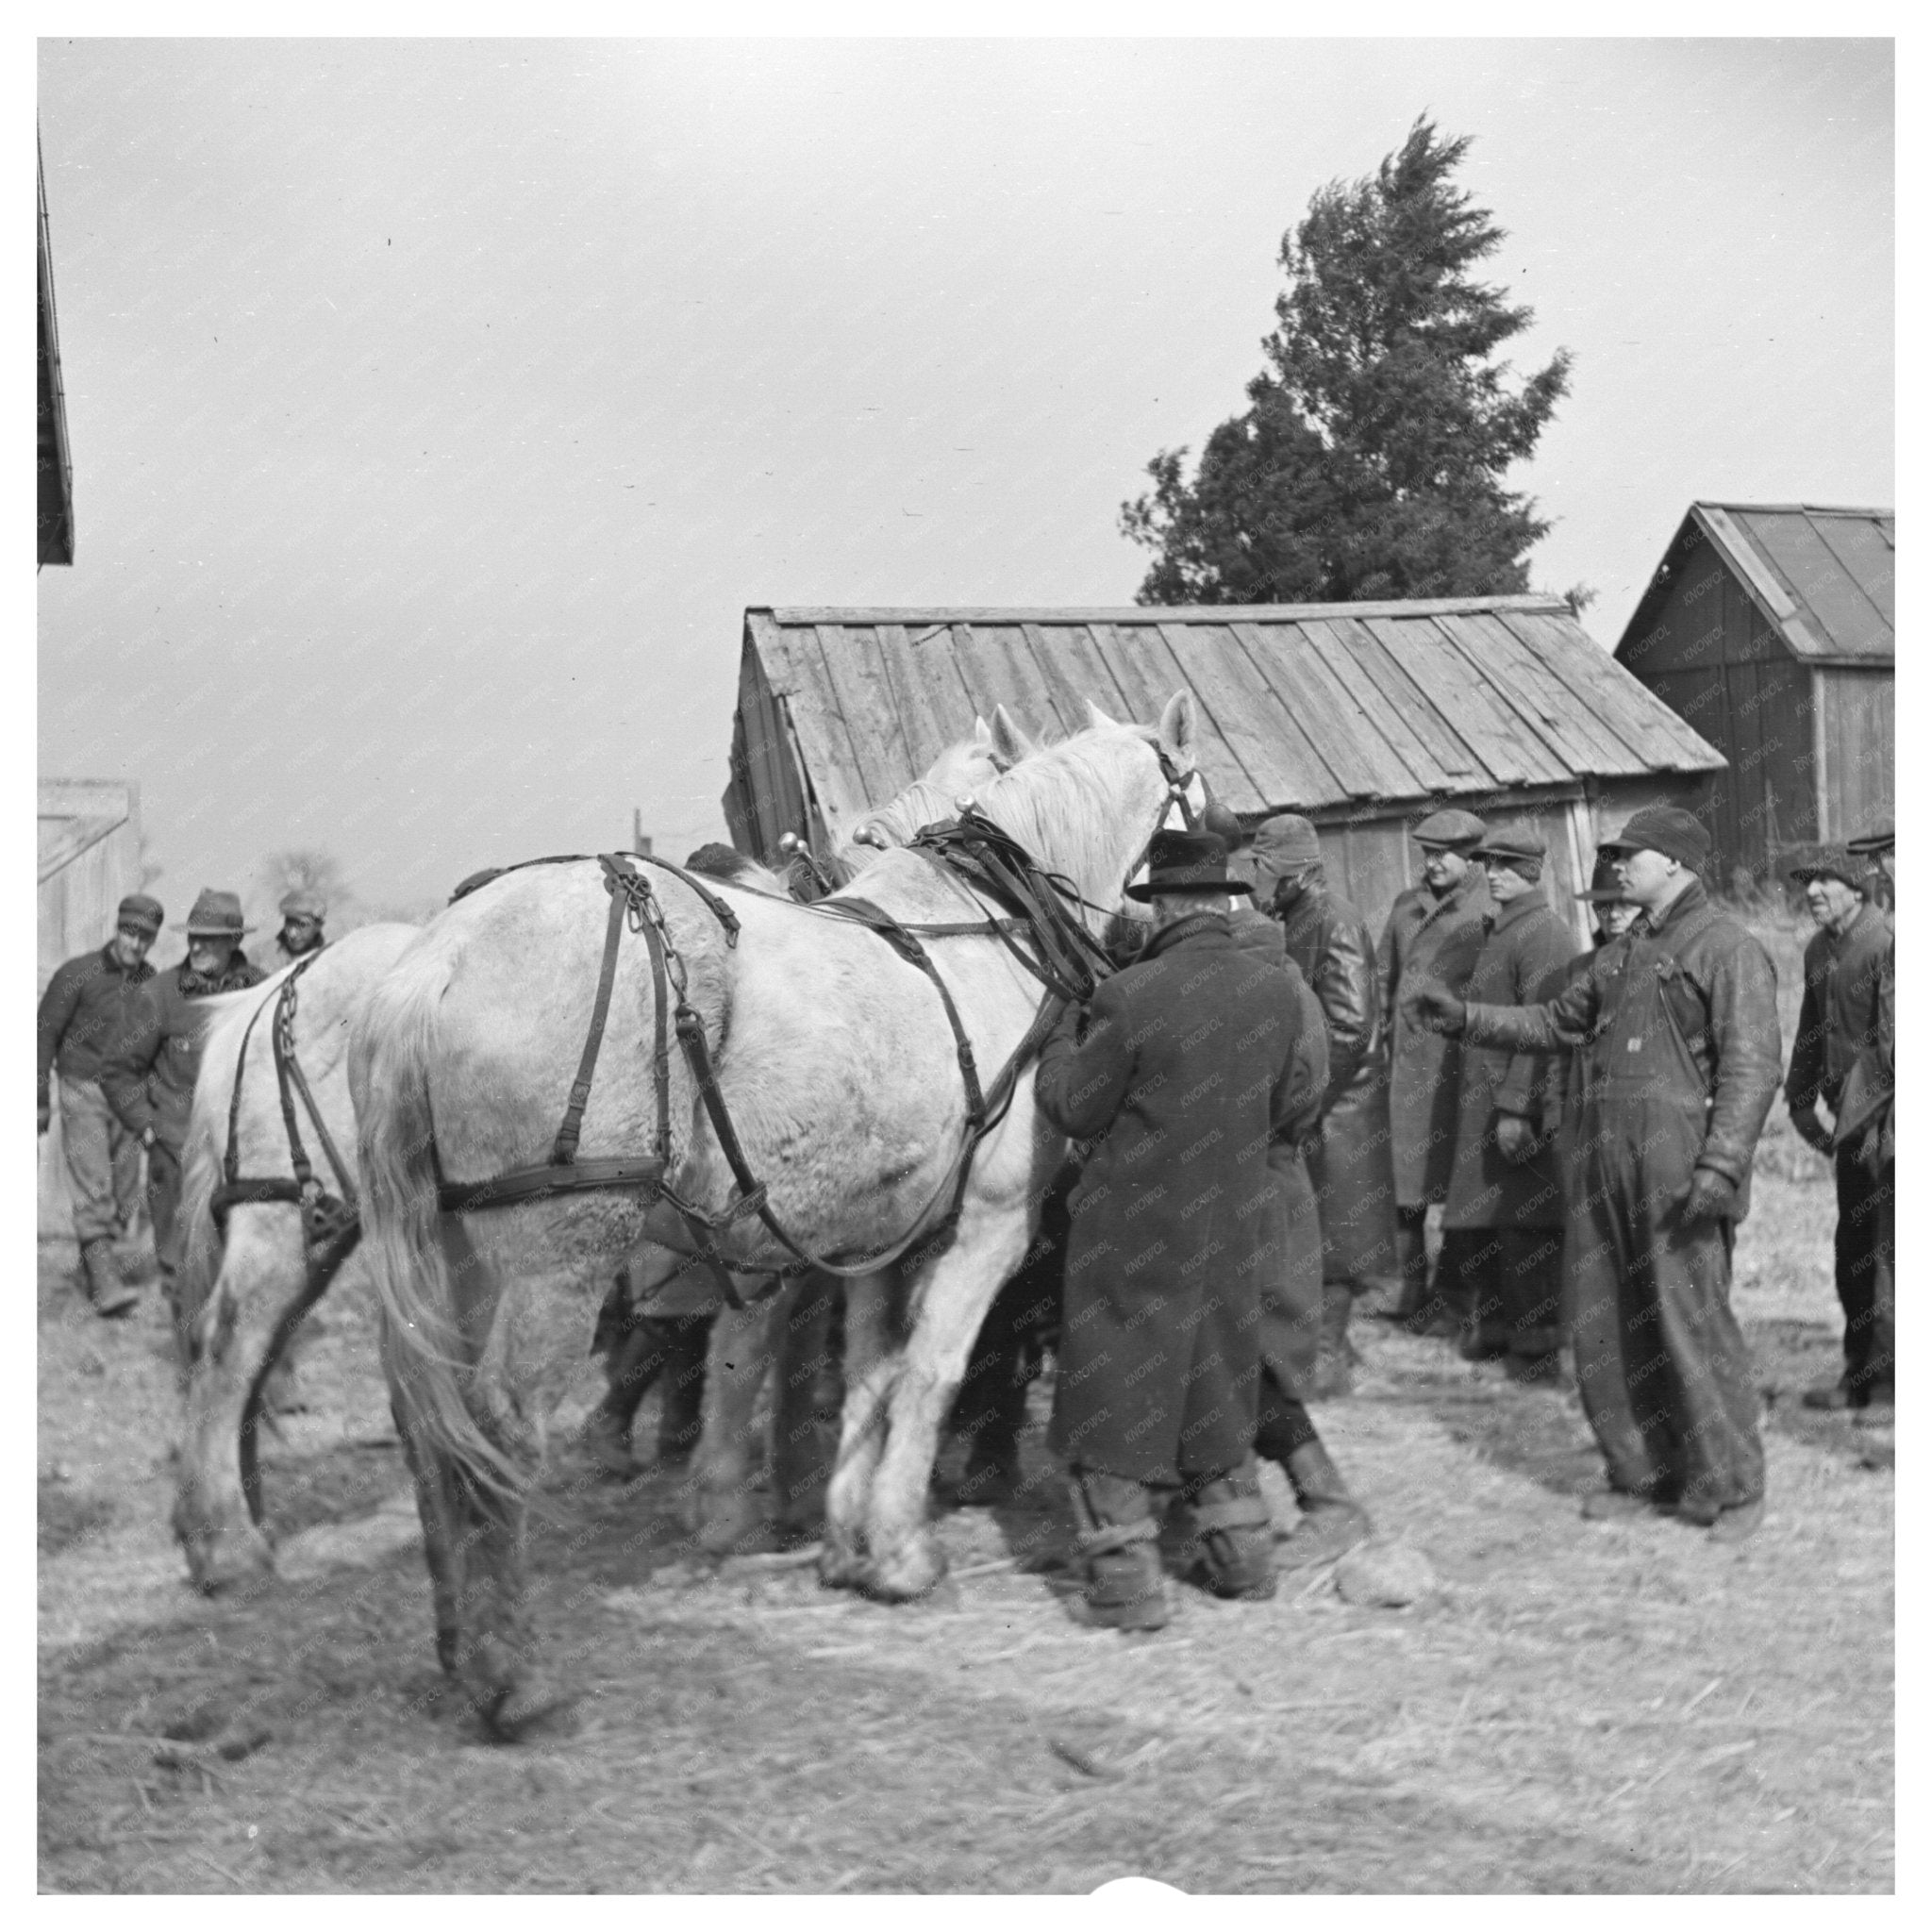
point(1370, 460)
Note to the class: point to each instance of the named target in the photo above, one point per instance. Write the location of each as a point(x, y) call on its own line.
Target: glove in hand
point(1438, 1008)
point(1517, 1140)
point(1709, 1197)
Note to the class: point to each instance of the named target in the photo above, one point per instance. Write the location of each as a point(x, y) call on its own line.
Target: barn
point(89, 859)
point(1769, 628)
point(1363, 716)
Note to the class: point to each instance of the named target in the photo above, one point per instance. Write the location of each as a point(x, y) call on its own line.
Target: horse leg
point(869, 1367)
point(228, 1341)
point(437, 1506)
point(725, 1513)
point(951, 1302)
point(805, 1411)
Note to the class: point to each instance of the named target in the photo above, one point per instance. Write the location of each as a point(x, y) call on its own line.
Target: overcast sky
point(438, 407)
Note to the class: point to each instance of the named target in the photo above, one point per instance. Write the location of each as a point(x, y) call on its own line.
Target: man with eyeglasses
point(85, 1006)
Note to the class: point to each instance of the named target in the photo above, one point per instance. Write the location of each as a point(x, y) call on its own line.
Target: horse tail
point(395, 1044)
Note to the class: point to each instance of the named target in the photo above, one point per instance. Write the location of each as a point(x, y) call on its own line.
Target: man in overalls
point(1679, 1023)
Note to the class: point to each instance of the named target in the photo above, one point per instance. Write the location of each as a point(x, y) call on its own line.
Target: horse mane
point(1050, 802)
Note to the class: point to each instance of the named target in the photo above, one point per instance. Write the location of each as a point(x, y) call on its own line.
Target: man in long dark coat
point(148, 1072)
point(1505, 1190)
point(1679, 1023)
point(1177, 1073)
point(1433, 933)
point(1348, 1157)
point(1847, 965)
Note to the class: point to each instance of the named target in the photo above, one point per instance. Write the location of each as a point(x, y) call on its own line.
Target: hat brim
point(1214, 888)
point(214, 932)
point(1806, 874)
point(1604, 896)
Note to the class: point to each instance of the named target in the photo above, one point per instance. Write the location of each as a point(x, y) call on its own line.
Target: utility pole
point(639, 841)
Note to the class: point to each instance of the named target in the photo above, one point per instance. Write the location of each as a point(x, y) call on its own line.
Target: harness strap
point(565, 1150)
point(539, 1183)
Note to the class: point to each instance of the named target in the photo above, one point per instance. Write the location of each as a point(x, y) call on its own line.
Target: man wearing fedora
point(148, 1072)
point(1846, 1011)
point(1678, 1024)
point(303, 913)
point(83, 1010)
point(1505, 1190)
point(1177, 1075)
point(1348, 1155)
point(1433, 933)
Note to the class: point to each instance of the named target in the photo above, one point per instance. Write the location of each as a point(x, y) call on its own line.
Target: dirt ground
point(1574, 1707)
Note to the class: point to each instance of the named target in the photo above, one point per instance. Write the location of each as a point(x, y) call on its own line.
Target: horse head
point(960, 769)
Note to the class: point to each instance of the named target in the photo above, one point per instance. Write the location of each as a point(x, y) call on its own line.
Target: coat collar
point(1196, 926)
point(1520, 907)
point(1691, 899)
point(1456, 899)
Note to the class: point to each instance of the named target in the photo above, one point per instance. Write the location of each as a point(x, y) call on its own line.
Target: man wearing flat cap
point(148, 1072)
point(1348, 1156)
point(1846, 1011)
point(1677, 1022)
point(303, 912)
point(1876, 850)
point(85, 1006)
point(1505, 1190)
point(1433, 933)
point(1177, 1075)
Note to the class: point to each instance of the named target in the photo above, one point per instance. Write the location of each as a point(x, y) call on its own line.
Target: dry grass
point(1619, 1707)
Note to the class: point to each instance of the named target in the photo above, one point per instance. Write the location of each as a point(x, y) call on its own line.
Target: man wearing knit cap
point(1505, 1190)
point(85, 1006)
point(1846, 1010)
point(149, 1068)
point(1433, 933)
point(1677, 1025)
point(1348, 1157)
point(303, 913)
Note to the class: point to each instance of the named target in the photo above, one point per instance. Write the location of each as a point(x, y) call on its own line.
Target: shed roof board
point(74, 814)
point(1823, 575)
point(1305, 706)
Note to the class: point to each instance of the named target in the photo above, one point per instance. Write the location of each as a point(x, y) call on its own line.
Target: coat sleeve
point(1086, 1067)
point(56, 1015)
point(1744, 1023)
point(129, 1059)
point(1537, 972)
point(1566, 1020)
point(1347, 987)
point(1385, 966)
point(1805, 1083)
point(1299, 1101)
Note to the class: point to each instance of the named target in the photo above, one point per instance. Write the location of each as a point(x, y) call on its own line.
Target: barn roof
point(1822, 575)
point(1305, 706)
point(78, 813)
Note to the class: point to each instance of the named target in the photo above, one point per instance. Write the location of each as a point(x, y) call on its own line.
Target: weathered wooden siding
point(1856, 723)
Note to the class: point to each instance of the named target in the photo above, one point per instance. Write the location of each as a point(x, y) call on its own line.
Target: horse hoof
point(528, 1707)
point(231, 1561)
point(913, 1569)
point(842, 1567)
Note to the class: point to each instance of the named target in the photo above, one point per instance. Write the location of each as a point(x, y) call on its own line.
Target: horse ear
point(1097, 720)
point(1180, 729)
point(1009, 744)
point(982, 737)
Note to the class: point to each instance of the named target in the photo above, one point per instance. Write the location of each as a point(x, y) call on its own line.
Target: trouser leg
point(807, 1407)
point(681, 1417)
point(1530, 1274)
point(1864, 1214)
point(1411, 1262)
point(164, 1206)
point(990, 1407)
point(91, 1137)
point(1614, 1329)
point(1706, 1383)
point(125, 1152)
point(1117, 1535)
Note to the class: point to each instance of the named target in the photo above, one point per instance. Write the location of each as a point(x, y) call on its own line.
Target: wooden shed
point(89, 859)
point(1364, 716)
point(1769, 628)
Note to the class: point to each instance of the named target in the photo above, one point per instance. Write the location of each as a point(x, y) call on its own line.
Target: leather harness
point(1066, 958)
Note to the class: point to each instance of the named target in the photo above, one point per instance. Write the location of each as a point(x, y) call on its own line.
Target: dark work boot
point(106, 1293)
point(1233, 1534)
point(1118, 1541)
point(1332, 1521)
point(1336, 1361)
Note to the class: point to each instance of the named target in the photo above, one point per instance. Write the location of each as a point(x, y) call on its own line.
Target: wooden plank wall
point(1857, 723)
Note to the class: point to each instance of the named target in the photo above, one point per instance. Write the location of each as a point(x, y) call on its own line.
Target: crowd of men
point(1265, 1105)
point(1585, 1125)
point(124, 1043)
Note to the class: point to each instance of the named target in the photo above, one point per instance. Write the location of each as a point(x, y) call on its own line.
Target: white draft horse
point(843, 1081)
point(246, 1284)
